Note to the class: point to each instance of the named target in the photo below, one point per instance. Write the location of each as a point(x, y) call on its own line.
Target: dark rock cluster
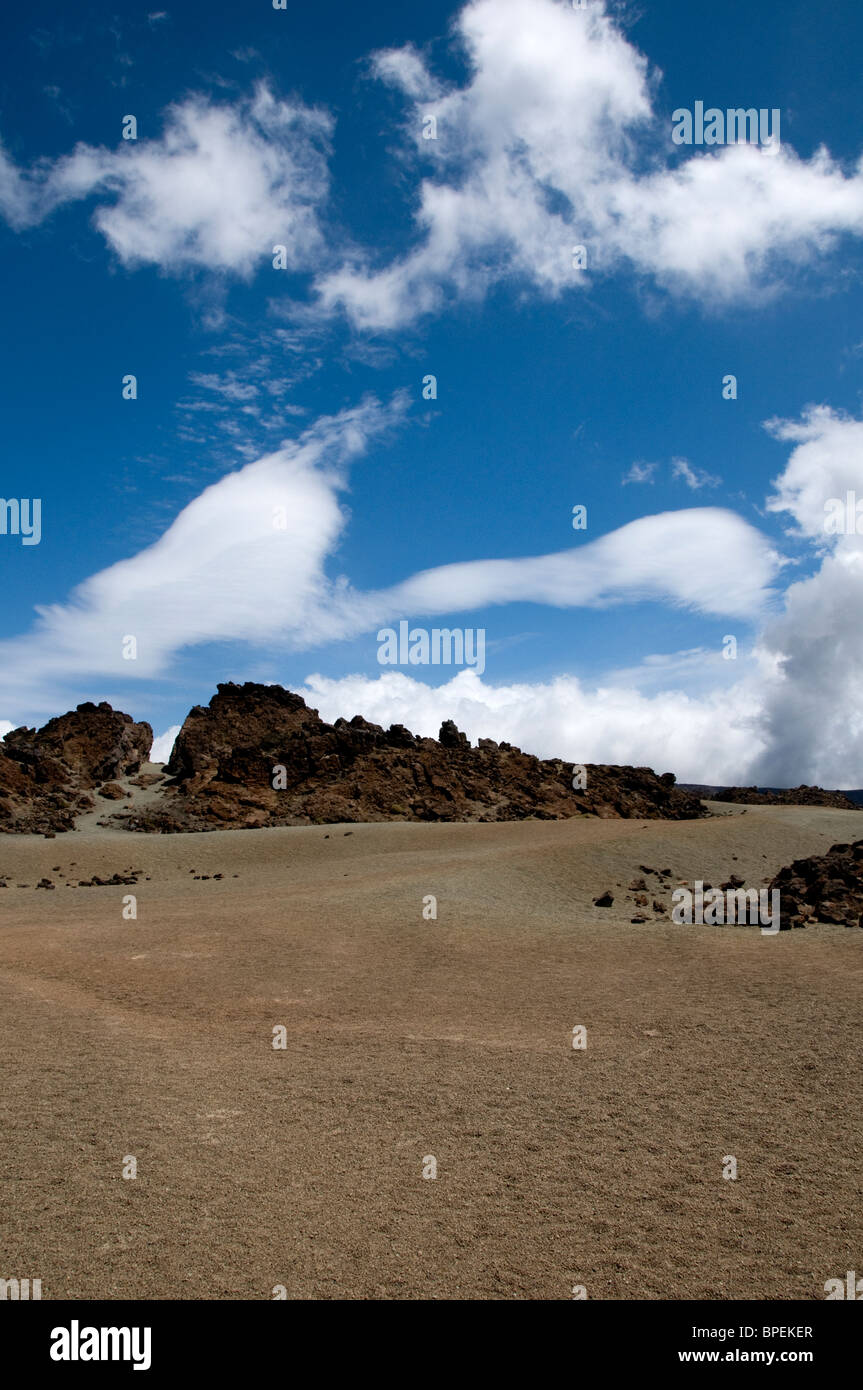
point(823, 888)
point(46, 774)
point(792, 796)
point(258, 756)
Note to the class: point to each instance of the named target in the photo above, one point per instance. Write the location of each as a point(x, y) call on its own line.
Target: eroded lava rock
point(823, 888)
point(46, 774)
point(793, 796)
point(258, 756)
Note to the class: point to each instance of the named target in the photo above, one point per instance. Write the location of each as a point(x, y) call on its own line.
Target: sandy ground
point(409, 1038)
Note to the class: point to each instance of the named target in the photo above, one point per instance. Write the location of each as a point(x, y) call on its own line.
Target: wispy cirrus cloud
point(640, 473)
point(694, 478)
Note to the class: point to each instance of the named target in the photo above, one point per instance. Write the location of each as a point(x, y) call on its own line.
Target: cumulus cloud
point(709, 738)
point(555, 140)
point(163, 743)
point(824, 466)
point(813, 713)
point(218, 189)
point(730, 222)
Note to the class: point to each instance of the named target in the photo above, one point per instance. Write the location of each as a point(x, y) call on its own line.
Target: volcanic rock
point(45, 774)
point(792, 796)
point(258, 756)
point(823, 888)
point(112, 791)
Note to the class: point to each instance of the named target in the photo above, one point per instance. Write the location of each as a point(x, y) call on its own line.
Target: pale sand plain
point(407, 1038)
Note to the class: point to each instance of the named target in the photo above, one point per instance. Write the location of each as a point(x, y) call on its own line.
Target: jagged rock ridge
point(258, 756)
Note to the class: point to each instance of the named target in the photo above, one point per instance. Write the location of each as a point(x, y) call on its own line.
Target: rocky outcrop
point(46, 775)
point(258, 756)
point(824, 888)
point(793, 796)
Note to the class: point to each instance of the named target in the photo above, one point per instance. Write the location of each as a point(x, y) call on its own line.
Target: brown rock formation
point(45, 774)
point(793, 796)
point(824, 888)
point(258, 756)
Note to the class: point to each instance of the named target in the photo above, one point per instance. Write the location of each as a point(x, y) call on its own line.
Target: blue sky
point(302, 387)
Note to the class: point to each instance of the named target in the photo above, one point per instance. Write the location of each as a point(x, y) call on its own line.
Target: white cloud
point(220, 187)
point(243, 561)
point(404, 69)
point(813, 713)
point(729, 223)
point(824, 465)
point(163, 743)
point(656, 557)
point(246, 561)
point(18, 198)
point(555, 140)
point(708, 739)
point(228, 386)
point(789, 710)
point(694, 478)
point(639, 473)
